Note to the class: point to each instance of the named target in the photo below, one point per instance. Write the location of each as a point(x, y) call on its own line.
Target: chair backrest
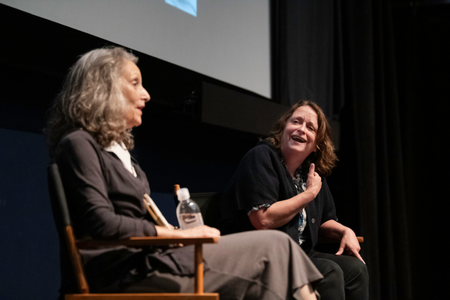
point(65, 230)
point(58, 197)
point(209, 206)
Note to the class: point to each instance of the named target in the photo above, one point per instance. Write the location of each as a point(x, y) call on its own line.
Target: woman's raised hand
point(314, 181)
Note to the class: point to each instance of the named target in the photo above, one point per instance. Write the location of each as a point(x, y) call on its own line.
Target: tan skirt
point(264, 264)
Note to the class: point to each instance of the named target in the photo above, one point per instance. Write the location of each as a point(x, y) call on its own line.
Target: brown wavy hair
point(325, 157)
point(91, 99)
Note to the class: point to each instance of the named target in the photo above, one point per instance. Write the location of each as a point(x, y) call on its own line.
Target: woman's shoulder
point(262, 156)
point(264, 149)
point(78, 148)
point(76, 136)
point(78, 139)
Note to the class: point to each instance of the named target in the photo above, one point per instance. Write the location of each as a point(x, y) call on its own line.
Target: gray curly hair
point(91, 99)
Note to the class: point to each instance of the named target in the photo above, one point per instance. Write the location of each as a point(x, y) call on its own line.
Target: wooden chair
point(63, 221)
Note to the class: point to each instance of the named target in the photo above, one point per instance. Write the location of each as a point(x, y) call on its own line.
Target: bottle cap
point(183, 194)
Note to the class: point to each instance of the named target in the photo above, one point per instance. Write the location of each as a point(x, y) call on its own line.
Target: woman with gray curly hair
point(91, 99)
point(89, 133)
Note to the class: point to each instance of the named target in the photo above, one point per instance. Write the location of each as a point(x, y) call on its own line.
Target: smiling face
point(299, 136)
point(135, 94)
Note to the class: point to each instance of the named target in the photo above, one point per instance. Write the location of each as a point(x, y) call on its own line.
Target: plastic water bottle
point(188, 212)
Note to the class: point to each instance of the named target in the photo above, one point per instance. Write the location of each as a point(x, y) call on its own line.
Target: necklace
point(300, 184)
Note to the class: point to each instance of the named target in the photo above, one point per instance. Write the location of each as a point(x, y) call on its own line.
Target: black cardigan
point(261, 178)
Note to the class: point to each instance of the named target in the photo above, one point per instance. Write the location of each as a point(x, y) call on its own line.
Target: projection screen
point(228, 40)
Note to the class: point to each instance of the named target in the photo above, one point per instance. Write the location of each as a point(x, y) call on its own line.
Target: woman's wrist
point(306, 197)
point(166, 233)
point(347, 231)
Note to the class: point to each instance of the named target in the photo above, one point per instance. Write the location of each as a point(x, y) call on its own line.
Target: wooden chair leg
point(198, 269)
point(76, 261)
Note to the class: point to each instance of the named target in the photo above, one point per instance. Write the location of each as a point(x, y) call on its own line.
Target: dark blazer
point(261, 178)
point(106, 202)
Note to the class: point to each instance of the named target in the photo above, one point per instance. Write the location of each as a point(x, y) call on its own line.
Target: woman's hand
point(350, 244)
point(314, 182)
point(196, 232)
point(281, 212)
point(200, 231)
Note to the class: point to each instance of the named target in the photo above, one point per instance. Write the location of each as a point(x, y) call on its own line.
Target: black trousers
point(345, 277)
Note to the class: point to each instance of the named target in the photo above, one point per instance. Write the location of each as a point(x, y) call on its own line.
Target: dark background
point(390, 95)
point(422, 49)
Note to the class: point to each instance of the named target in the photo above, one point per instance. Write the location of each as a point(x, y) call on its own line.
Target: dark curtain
point(422, 50)
point(341, 55)
point(304, 52)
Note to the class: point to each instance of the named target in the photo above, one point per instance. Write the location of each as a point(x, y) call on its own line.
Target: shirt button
point(313, 220)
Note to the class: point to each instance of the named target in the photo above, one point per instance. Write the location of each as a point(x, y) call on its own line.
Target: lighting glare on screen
point(189, 6)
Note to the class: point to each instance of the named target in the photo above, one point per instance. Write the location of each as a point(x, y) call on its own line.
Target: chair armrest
point(138, 242)
point(324, 240)
point(146, 241)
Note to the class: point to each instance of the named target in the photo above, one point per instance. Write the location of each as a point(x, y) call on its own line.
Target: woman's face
point(299, 136)
point(134, 93)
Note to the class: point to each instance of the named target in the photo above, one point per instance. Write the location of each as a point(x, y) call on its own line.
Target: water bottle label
point(190, 220)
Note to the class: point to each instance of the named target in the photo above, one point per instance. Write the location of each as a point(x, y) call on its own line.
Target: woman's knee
point(268, 238)
point(332, 285)
point(330, 270)
point(275, 235)
point(358, 272)
point(334, 273)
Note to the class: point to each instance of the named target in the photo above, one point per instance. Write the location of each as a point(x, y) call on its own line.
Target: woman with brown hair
point(280, 184)
point(89, 133)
